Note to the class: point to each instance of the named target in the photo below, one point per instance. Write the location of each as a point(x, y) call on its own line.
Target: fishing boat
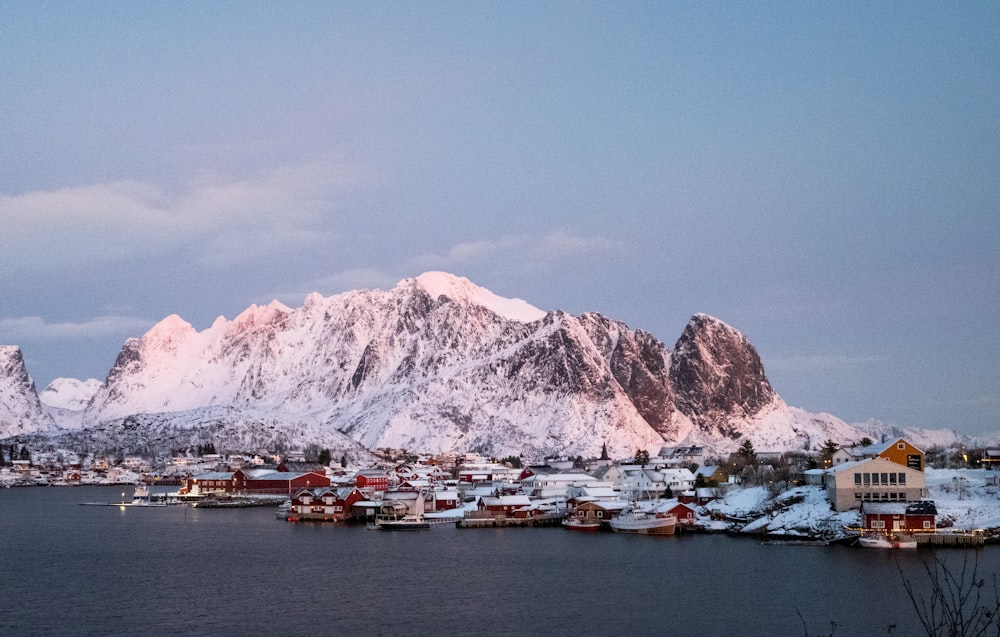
point(897, 541)
point(639, 521)
point(404, 523)
point(580, 523)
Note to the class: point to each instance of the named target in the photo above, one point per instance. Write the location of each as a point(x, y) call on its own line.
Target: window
point(868, 479)
point(900, 445)
point(902, 479)
point(857, 479)
point(892, 478)
point(927, 524)
point(885, 478)
point(878, 524)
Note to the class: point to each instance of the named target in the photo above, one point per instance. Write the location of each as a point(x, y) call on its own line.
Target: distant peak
point(260, 314)
point(437, 284)
point(170, 324)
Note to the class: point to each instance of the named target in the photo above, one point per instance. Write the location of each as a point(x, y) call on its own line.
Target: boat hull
point(872, 542)
point(581, 526)
point(640, 523)
point(405, 523)
point(403, 526)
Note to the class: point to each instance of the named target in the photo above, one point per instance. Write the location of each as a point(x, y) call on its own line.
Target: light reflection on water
point(79, 570)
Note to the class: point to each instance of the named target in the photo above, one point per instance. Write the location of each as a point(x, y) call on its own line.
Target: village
point(870, 491)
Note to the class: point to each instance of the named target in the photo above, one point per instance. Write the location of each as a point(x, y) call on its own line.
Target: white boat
point(580, 523)
point(405, 523)
point(636, 520)
point(897, 541)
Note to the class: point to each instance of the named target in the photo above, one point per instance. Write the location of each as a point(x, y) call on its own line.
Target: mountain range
point(436, 364)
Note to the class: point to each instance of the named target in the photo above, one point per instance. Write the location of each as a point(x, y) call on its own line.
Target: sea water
point(67, 569)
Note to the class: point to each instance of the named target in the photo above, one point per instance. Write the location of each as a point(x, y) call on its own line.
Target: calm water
point(77, 570)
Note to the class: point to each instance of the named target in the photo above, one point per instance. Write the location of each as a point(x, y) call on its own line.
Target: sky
point(824, 177)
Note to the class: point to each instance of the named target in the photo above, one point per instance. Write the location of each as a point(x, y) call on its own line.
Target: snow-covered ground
point(968, 498)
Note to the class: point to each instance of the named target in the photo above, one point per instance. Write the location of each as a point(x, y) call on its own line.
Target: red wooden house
point(505, 504)
point(323, 504)
point(214, 482)
point(898, 517)
point(372, 480)
point(278, 482)
point(684, 513)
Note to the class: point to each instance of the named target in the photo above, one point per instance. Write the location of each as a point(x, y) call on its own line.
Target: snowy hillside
point(65, 400)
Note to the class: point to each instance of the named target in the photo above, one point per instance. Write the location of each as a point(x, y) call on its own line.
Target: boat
point(636, 520)
point(580, 523)
point(140, 498)
point(405, 523)
point(897, 541)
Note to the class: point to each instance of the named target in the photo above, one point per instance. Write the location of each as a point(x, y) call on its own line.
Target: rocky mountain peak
point(717, 375)
point(461, 290)
point(20, 409)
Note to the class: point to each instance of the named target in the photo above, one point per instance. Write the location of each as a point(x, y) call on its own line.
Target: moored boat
point(405, 523)
point(580, 523)
point(636, 520)
point(897, 541)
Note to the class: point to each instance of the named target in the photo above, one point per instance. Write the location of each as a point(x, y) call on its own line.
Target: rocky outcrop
point(717, 376)
point(20, 410)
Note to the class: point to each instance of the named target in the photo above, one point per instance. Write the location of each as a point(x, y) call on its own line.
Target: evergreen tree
point(866, 442)
point(324, 457)
point(641, 457)
point(828, 449)
point(746, 452)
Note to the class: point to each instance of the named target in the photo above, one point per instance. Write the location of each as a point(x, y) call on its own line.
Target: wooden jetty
point(490, 520)
point(958, 538)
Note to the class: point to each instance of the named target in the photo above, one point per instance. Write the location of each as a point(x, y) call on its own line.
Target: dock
point(489, 520)
point(951, 538)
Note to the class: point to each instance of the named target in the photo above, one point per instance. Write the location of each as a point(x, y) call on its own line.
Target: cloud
point(529, 251)
point(215, 221)
point(36, 329)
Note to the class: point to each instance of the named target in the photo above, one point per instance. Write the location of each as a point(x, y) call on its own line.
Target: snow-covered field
point(968, 498)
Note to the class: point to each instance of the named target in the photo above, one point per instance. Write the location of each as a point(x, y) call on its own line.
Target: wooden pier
point(951, 538)
point(487, 520)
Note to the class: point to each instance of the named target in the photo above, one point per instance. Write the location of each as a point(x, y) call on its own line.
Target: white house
point(873, 480)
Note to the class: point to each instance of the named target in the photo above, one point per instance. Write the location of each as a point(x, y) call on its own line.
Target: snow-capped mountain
point(435, 364)
point(438, 364)
point(20, 410)
point(65, 400)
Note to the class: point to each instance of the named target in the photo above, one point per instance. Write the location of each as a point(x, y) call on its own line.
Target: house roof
point(881, 447)
point(506, 500)
point(214, 475)
point(922, 507)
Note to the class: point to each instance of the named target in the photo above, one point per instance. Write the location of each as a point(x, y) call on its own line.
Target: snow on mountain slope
point(438, 364)
point(69, 393)
point(20, 410)
point(65, 400)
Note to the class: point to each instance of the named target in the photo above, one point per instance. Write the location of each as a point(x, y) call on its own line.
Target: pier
point(952, 538)
point(489, 520)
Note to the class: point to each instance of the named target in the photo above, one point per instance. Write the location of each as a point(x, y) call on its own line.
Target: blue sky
point(824, 177)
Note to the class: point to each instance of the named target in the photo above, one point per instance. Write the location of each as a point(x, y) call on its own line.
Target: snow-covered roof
point(214, 475)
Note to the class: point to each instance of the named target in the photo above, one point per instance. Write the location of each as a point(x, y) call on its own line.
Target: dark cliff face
point(20, 409)
point(12, 367)
point(638, 363)
point(717, 374)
